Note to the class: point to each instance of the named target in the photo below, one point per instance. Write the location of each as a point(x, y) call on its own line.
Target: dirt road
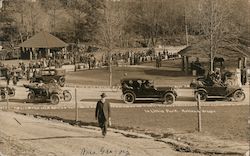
point(24, 135)
point(87, 97)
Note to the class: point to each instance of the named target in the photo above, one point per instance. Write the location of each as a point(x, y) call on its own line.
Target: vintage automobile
point(5, 89)
point(50, 76)
point(227, 89)
point(143, 89)
point(47, 92)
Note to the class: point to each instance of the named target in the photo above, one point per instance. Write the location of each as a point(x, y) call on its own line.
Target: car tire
point(54, 99)
point(203, 95)
point(13, 92)
point(239, 96)
point(3, 96)
point(129, 98)
point(67, 95)
point(169, 98)
point(31, 96)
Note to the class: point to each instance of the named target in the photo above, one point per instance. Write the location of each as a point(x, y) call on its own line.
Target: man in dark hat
point(103, 114)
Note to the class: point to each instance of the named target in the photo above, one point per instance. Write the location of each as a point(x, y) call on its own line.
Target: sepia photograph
point(124, 77)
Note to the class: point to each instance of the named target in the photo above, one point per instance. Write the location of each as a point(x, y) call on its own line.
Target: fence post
point(76, 105)
point(7, 98)
point(199, 113)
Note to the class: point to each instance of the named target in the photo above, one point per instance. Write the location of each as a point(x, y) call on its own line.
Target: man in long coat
point(103, 114)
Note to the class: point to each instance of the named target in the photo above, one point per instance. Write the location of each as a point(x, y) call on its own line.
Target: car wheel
point(31, 96)
point(3, 96)
point(67, 95)
point(61, 81)
point(239, 95)
point(54, 98)
point(129, 98)
point(203, 95)
point(169, 98)
point(12, 92)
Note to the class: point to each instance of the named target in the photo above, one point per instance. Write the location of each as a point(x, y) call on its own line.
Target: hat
point(103, 95)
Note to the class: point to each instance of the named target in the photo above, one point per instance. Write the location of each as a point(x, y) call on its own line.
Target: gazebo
point(43, 40)
point(201, 50)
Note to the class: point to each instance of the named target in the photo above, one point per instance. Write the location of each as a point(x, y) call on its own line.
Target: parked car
point(143, 89)
point(227, 89)
point(5, 89)
point(50, 76)
point(47, 92)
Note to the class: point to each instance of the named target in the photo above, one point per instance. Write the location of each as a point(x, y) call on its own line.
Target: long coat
point(102, 107)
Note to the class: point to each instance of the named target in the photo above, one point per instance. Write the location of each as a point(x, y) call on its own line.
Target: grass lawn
point(169, 74)
point(228, 123)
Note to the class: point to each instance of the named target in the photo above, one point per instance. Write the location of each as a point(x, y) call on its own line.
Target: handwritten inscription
point(104, 151)
point(177, 111)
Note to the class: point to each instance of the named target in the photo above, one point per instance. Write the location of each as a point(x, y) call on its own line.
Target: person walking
point(103, 114)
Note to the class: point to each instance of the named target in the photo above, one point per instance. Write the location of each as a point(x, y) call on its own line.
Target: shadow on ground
point(95, 100)
point(161, 72)
point(15, 100)
point(61, 137)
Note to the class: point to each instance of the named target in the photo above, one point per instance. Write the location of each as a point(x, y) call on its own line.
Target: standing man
point(103, 114)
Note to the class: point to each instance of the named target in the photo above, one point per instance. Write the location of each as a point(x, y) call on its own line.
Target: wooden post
point(245, 62)
point(7, 98)
point(239, 63)
point(186, 65)
point(183, 63)
point(245, 69)
point(110, 70)
point(199, 113)
point(31, 55)
point(76, 105)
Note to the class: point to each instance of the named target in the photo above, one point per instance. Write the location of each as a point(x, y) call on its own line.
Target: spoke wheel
point(55, 99)
point(129, 98)
point(203, 95)
point(169, 99)
point(67, 95)
point(31, 96)
point(239, 96)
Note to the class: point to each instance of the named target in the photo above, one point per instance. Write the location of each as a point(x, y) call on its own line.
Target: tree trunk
point(110, 70)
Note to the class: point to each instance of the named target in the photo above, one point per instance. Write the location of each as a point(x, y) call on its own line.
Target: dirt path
point(23, 135)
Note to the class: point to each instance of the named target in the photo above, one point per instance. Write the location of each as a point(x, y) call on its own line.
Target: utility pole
point(186, 26)
point(110, 69)
point(211, 36)
point(199, 112)
point(76, 105)
point(109, 43)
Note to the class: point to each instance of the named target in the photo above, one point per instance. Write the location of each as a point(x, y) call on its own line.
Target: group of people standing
point(16, 72)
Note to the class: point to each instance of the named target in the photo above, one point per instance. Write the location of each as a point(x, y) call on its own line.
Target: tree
point(217, 26)
point(156, 20)
point(51, 7)
point(8, 28)
point(111, 28)
point(85, 15)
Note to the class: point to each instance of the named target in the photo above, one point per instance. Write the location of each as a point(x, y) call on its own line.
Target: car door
point(137, 88)
point(149, 92)
point(216, 90)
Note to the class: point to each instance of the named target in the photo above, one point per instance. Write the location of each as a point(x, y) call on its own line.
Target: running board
point(149, 99)
point(215, 97)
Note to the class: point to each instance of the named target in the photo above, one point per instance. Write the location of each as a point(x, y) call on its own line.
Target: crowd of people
point(139, 57)
point(16, 72)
